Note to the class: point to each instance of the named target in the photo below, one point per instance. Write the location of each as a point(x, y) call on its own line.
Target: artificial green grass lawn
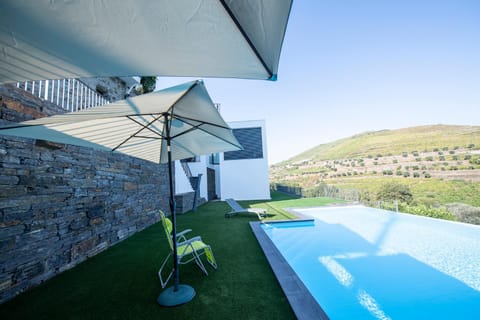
point(122, 282)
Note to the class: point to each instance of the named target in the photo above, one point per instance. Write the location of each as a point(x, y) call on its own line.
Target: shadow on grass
point(122, 282)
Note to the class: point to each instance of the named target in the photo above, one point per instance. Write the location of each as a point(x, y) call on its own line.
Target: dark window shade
point(251, 141)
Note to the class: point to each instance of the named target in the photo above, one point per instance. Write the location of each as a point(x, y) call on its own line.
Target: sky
point(349, 67)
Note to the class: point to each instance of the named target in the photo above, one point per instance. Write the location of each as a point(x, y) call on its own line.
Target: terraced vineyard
point(440, 164)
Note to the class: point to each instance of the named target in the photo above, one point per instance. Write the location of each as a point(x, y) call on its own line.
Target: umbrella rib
point(250, 43)
point(145, 137)
point(197, 127)
point(138, 131)
point(147, 126)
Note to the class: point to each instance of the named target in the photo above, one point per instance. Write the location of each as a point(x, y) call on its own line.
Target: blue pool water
point(365, 263)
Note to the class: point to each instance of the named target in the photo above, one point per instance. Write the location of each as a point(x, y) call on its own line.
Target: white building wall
point(239, 179)
point(182, 184)
point(245, 179)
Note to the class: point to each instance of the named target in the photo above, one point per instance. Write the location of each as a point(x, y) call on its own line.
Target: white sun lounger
point(236, 209)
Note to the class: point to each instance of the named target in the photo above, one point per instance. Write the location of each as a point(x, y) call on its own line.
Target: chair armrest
point(181, 234)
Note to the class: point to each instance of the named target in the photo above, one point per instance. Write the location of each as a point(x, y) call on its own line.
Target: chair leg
point(162, 282)
point(199, 262)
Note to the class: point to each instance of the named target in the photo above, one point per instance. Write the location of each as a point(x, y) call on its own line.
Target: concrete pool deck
point(301, 300)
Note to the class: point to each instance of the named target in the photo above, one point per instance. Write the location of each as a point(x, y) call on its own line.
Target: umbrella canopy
point(136, 126)
point(73, 39)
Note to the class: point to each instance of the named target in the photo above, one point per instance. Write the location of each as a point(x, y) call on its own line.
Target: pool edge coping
point(301, 300)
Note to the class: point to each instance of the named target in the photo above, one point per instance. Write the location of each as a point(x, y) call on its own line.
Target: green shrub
point(406, 174)
point(429, 158)
point(416, 175)
point(394, 191)
point(471, 146)
point(427, 175)
point(423, 210)
point(404, 154)
point(474, 160)
point(148, 83)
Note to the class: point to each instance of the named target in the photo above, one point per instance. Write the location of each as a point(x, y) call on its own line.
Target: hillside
point(440, 163)
point(422, 138)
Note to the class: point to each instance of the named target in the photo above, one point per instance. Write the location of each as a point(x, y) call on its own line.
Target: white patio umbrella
point(171, 124)
point(42, 39)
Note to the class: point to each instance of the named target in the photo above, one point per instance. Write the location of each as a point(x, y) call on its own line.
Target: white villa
point(241, 175)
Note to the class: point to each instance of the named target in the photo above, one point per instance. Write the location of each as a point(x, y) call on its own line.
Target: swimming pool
point(365, 263)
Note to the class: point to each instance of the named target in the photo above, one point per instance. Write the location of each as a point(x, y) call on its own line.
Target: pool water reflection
point(365, 263)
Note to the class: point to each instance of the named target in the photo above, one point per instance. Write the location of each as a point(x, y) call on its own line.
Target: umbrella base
point(170, 298)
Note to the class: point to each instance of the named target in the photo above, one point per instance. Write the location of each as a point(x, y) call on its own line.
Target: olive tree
point(394, 191)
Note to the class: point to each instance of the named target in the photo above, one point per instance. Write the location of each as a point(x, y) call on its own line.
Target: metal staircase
point(194, 182)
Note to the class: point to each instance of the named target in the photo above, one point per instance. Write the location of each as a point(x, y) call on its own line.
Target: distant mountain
point(385, 142)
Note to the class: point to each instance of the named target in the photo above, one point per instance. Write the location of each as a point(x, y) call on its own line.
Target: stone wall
point(61, 204)
point(184, 202)
point(111, 88)
point(17, 105)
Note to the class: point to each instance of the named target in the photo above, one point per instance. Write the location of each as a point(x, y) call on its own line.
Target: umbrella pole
point(179, 293)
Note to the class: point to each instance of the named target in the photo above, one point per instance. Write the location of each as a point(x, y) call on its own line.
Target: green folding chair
point(188, 250)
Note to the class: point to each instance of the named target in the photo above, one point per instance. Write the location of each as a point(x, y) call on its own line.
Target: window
point(251, 141)
point(214, 158)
